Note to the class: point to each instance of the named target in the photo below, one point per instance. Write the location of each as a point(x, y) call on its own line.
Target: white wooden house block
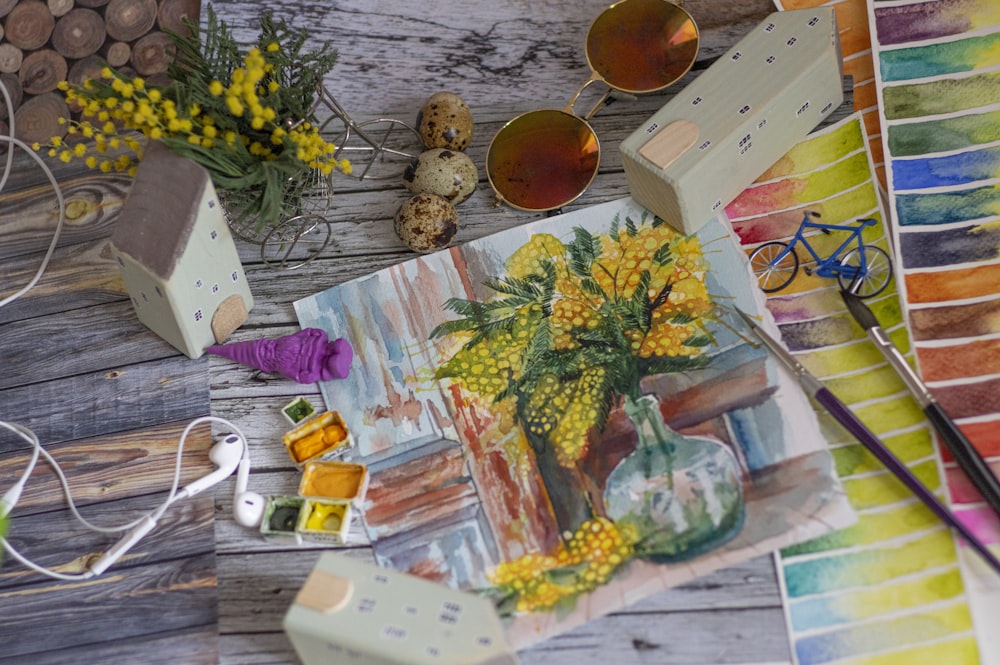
point(739, 117)
point(355, 613)
point(177, 256)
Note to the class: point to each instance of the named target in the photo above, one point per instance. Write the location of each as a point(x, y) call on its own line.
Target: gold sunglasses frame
point(609, 14)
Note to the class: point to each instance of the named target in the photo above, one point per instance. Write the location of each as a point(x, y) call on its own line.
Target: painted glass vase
point(682, 494)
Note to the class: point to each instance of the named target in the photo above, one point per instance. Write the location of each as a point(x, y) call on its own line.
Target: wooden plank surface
point(108, 399)
point(107, 394)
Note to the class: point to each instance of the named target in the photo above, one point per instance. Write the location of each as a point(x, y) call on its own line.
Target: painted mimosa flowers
point(576, 325)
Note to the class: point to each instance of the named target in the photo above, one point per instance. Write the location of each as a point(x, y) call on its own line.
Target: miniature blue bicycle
point(864, 270)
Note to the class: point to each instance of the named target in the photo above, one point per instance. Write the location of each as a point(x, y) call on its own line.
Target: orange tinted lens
point(542, 160)
point(642, 45)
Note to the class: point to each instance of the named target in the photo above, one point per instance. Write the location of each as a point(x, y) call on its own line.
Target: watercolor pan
point(298, 410)
point(334, 480)
point(324, 521)
point(281, 518)
point(322, 437)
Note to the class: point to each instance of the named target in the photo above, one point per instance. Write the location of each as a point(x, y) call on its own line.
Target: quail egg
point(445, 121)
point(426, 223)
point(444, 172)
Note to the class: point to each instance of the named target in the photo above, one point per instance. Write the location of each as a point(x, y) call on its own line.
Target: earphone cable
point(15, 142)
point(153, 515)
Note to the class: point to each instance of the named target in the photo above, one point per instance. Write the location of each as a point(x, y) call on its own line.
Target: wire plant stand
point(378, 149)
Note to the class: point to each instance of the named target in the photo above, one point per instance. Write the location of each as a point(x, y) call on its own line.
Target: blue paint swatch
point(948, 207)
point(959, 169)
point(940, 59)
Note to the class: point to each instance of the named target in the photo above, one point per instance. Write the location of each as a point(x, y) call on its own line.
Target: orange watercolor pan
point(322, 437)
point(334, 480)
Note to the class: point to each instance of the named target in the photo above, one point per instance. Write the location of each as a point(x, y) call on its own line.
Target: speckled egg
point(444, 172)
point(426, 223)
point(445, 121)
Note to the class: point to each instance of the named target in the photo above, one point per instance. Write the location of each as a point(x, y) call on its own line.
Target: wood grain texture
point(109, 400)
point(106, 393)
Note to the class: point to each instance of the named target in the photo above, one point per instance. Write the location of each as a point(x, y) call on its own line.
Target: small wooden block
point(670, 143)
point(325, 592)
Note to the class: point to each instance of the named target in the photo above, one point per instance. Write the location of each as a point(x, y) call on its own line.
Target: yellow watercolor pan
point(334, 480)
point(320, 438)
point(325, 521)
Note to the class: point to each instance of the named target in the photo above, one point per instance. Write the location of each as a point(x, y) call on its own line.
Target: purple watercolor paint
point(925, 20)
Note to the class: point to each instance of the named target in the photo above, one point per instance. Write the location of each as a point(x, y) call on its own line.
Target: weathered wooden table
point(108, 398)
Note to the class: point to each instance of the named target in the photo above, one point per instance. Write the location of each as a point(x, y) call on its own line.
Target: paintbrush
point(869, 440)
point(965, 454)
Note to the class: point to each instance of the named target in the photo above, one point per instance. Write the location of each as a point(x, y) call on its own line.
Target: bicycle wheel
point(774, 273)
point(877, 274)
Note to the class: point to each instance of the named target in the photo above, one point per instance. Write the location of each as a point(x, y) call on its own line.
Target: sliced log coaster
point(43, 42)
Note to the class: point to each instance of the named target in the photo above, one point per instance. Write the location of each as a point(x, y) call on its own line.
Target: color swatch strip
point(937, 66)
point(889, 589)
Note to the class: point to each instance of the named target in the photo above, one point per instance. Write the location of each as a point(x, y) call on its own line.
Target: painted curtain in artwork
point(893, 588)
point(565, 416)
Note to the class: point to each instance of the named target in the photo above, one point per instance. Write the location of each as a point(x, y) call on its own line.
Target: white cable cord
point(8, 167)
point(14, 142)
point(11, 496)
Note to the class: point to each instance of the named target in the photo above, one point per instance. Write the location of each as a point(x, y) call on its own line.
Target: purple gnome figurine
point(307, 356)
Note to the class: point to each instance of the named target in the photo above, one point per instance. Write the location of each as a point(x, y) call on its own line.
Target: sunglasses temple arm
point(570, 108)
point(601, 103)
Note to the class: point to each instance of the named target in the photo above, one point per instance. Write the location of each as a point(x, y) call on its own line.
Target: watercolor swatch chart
point(856, 48)
point(938, 71)
point(890, 589)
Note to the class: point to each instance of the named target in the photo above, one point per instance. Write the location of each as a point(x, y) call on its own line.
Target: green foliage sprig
point(248, 118)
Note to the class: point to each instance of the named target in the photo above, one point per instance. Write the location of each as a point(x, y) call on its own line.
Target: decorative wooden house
point(719, 134)
point(177, 256)
point(349, 611)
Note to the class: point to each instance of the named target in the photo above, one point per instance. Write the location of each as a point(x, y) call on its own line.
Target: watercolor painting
point(856, 49)
point(566, 418)
point(892, 588)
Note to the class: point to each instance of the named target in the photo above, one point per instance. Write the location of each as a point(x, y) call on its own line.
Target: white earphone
point(228, 455)
point(248, 507)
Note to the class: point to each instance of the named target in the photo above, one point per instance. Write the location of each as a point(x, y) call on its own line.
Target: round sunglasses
point(542, 160)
